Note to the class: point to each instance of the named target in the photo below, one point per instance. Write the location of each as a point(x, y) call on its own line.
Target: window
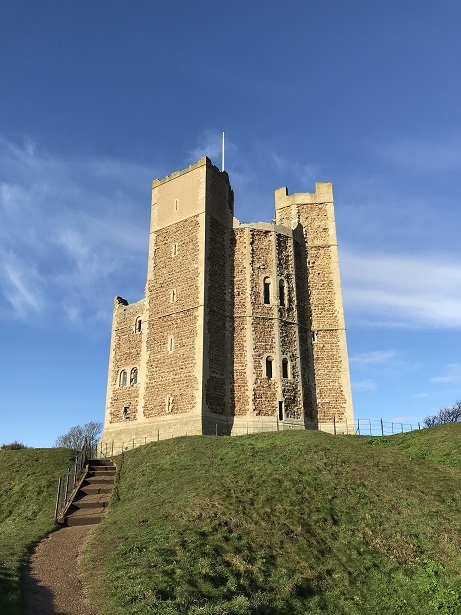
point(122, 378)
point(126, 412)
point(169, 404)
point(138, 325)
point(285, 368)
point(282, 293)
point(314, 336)
point(174, 249)
point(267, 291)
point(173, 296)
point(269, 367)
point(176, 204)
point(170, 344)
point(134, 376)
point(281, 411)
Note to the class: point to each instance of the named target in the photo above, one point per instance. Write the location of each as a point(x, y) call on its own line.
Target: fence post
point(158, 435)
point(382, 427)
point(419, 426)
point(401, 425)
point(358, 426)
point(57, 499)
point(216, 424)
point(334, 425)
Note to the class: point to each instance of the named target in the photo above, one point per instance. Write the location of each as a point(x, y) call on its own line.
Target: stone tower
point(241, 328)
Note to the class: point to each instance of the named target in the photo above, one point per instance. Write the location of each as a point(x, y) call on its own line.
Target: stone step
point(92, 498)
point(101, 463)
point(86, 516)
point(99, 480)
point(97, 500)
point(96, 488)
point(101, 473)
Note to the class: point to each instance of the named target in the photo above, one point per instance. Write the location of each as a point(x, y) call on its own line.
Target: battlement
point(323, 194)
point(205, 161)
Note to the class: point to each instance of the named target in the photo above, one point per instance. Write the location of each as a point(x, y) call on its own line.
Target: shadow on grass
point(9, 592)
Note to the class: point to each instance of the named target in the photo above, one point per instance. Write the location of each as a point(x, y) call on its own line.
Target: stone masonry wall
point(173, 299)
point(304, 332)
point(288, 328)
point(240, 322)
point(126, 353)
point(264, 334)
point(216, 316)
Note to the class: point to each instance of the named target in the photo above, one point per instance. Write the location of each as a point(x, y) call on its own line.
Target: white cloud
point(402, 291)
point(374, 357)
point(433, 156)
point(306, 174)
point(74, 233)
point(364, 385)
point(452, 375)
point(403, 419)
point(210, 144)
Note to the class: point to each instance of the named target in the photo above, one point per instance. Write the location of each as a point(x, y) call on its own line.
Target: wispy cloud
point(373, 357)
point(400, 290)
point(306, 174)
point(210, 144)
point(433, 156)
point(451, 376)
point(407, 418)
point(364, 385)
point(73, 232)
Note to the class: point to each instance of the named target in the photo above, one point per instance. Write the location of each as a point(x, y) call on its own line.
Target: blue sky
point(97, 99)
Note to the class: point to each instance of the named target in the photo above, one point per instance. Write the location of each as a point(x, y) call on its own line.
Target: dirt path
point(51, 583)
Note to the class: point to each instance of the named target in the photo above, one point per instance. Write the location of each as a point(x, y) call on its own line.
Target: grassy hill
point(284, 523)
point(28, 483)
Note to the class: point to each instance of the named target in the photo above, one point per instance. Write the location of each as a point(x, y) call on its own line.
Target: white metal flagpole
point(222, 165)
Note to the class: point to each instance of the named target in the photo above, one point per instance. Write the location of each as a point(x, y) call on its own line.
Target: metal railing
point(69, 480)
point(359, 427)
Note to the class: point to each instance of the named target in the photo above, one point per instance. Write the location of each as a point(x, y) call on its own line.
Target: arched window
point(138, 325)
point(267, 290)
point(123, 378)
point(134, 376)
point(282, 293)
point(126, 412)
point(285, 368)
point(269, 367)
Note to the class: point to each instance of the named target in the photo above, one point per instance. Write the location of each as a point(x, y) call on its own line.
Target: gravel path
point(51, 583)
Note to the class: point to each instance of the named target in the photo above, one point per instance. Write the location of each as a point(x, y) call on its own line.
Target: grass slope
point(28, 483)
point(297, 523)
point(286, 523)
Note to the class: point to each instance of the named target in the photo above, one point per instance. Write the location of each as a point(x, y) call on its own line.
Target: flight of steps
point(92, 498)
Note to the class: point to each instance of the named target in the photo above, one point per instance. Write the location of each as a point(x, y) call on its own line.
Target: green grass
point(286, 523)
point(28, 483)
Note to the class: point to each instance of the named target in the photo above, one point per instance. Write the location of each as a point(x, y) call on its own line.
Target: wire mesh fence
point(360, 427)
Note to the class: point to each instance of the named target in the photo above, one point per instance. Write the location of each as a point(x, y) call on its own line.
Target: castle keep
point(241, 328)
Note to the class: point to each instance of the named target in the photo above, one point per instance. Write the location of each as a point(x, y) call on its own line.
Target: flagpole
point(222, 165)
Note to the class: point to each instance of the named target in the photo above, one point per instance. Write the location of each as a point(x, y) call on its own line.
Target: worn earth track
point(50, 583)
